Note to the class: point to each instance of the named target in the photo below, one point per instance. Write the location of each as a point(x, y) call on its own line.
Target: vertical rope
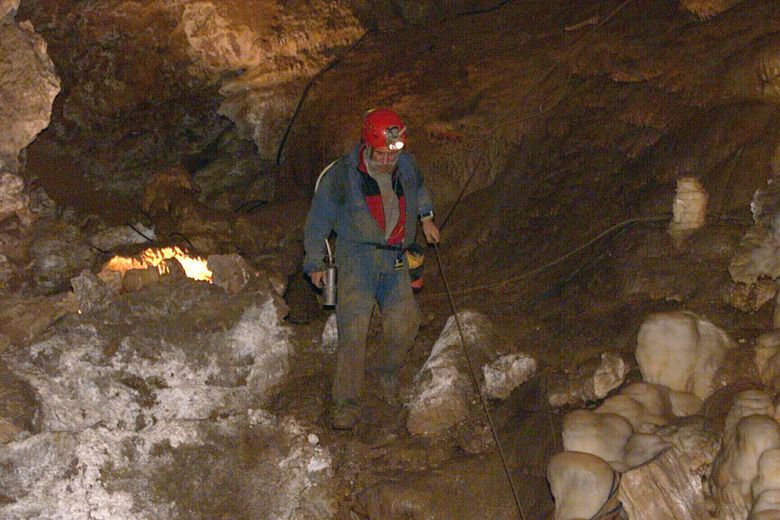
point(476, 388)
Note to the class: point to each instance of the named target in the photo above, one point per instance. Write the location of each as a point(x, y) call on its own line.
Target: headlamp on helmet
point(394, 138)
point(383, 128)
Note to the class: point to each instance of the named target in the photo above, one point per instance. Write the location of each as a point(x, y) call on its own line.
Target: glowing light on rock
point(194, 266)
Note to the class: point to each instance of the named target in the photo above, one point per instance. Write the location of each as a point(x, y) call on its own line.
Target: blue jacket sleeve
point(320, 221)
point(424, 203)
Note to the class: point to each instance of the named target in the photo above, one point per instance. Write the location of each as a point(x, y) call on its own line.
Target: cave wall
point(150, 84)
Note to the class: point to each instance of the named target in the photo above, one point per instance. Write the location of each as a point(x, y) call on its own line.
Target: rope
point(305, 93)
point(138, 231)
point(528, 274)
point(476, 389)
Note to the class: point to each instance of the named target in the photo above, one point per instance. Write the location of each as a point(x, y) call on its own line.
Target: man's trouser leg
point(353, 315)
point(400, 319)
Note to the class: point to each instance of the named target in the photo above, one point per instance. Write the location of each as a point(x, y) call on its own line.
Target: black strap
point(386, 247)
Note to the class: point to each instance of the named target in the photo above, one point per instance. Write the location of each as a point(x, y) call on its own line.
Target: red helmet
point(383, 128)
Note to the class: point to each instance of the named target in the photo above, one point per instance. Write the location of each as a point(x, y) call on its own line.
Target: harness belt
point(385, 247)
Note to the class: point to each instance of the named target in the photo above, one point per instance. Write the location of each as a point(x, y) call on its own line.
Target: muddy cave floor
point(594, 302)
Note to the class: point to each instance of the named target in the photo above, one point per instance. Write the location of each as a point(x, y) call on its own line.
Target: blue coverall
point(366, 273)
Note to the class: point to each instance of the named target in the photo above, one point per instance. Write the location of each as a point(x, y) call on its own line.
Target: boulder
point(23, 319)
point(507, 373)
point(59, 252)
point(92, 292)
point(590, 381)
point(443, 392)
point(112, 238)
point(28, 86)
point(164, 388)
point(231, 272)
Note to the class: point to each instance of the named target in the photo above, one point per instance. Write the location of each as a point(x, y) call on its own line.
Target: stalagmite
point(580, 483)
point(592, 380)
point(768, 476)
point(604, 435)
point(708, 8)
point(681, 351)
point(737, 465)
point(746, 403)
point(689, 208)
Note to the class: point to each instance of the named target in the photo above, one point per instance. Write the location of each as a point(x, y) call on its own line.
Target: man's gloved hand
point(431, 231)
point(316, 278)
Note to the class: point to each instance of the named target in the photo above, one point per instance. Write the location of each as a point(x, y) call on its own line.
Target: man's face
point(383, 160)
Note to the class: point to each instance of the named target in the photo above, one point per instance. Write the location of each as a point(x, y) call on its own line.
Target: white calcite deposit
point(681, 351)
point(150, 409)
point(443, 392)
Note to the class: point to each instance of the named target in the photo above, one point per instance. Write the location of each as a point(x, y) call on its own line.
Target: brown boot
point(344, 415)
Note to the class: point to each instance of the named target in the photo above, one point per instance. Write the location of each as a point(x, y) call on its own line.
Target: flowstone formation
point(676, 460)
point(151, 407)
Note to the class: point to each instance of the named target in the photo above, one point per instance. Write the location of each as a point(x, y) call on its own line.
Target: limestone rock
point(171, 404)
point(13, 200)
point(273, 472)
point(137, 279)
point(746, 403)
point(8, 8)
point(645, 406)
point(6, 271)
point(28, 86)
point(276, 64)
point(112, 238)
point(642, 447)
point(170, 200)
point(592, 380)
point(681, 351)
point(768, 476)
point(707, 8)
point(91, 292)
point(59, 252)
point(443, 391)
point(231, 272)
point(757, 255)
point(220, 355)
point(507, 373)
point(751, 297)
point(21, 320)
